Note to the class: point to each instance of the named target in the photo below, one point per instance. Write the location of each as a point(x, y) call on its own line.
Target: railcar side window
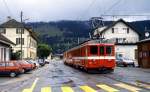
point(108, 50)
point(101, 50)
point(93, 50)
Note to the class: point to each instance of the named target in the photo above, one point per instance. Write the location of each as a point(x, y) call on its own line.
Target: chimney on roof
point(8, 18)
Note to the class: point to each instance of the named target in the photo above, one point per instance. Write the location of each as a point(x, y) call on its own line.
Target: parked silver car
point(125, 62)
point(36, 64)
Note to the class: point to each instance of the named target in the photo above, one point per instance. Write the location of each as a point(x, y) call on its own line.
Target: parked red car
point(26, 66)
point(10, 68)
point(33, 63)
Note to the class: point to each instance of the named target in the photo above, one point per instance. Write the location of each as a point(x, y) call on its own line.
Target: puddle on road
point(69, 83)
point(54, 77)
point(54, 64)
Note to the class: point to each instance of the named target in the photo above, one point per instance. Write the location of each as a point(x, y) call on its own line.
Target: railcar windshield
point(109, 50)
point(101, 48)
point(93, 50)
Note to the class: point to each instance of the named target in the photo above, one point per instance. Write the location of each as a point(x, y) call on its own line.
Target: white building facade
point(123, 35)
point(5, 49)
point(12, 30)
point(4, 53)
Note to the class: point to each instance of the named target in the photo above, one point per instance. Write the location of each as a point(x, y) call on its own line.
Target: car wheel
point(133, 65)
point(12, 74)
point(125, 65)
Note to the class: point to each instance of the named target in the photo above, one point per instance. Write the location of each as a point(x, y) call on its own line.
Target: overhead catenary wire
point(112, 6)
point(7, 8)
point(86, 10)
point(106, 14)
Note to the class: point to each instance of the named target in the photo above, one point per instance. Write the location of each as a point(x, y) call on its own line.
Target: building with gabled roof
point(123, 35)
point(12, 30)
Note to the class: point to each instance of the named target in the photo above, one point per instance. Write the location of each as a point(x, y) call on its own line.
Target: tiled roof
point(12, 23)
point(120, 20)
point(4, 39)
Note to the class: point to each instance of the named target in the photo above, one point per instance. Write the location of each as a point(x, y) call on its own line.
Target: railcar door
point(109, 56)
point(101, 55)
point(93, 58)
point(85, 55)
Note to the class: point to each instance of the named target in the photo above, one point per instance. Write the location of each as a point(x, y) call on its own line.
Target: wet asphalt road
point(57, 77)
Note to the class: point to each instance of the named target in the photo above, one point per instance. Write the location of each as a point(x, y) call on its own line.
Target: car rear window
point(24, 62)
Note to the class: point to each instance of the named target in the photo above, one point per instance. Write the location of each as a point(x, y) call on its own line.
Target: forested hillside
point(61, 35)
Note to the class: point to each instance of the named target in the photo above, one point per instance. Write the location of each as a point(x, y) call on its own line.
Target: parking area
point(15, 68)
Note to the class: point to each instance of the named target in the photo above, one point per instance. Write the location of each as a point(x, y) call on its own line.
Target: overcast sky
point(53, 10)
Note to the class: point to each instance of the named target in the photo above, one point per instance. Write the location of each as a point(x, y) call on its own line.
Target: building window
point(127, 30)
point(4, 54)
point(112, 30)
point(3, 30)
point(18, 41)
point(124, 29)
point(120, 40)
point(1, 54)
point(18, 31)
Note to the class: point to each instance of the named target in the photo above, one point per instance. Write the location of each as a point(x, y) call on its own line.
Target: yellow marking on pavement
point(143, 84)
point(87, 89)
point(107, 88)
point(32, 87)
point(46, 89)
point(128, 87)
point(67, 89)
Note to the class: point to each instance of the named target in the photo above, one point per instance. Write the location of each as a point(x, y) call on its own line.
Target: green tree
point(15, 55)
point(43, 50)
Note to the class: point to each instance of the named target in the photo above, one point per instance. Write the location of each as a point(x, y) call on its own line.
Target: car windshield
point(125, 58)
point(24, 62)
point(29, 61)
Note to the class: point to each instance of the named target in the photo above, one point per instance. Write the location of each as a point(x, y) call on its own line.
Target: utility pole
point(96, 23)
point(21, 15)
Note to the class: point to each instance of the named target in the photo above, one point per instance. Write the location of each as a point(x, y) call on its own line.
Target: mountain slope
point(62, 35)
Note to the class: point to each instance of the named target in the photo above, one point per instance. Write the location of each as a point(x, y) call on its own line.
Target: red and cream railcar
point(88, 56)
